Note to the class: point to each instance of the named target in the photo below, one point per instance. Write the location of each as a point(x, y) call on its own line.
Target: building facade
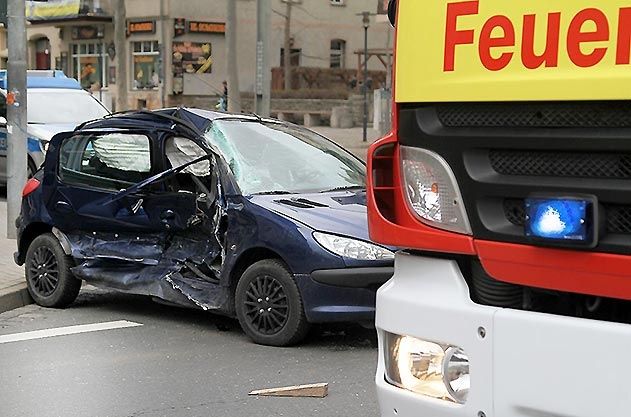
point(176, 49)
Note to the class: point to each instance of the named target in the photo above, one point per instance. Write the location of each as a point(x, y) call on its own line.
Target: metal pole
point(287, 46)
point(365, 80)
point(263, 70)
point(16, 113)
point(234, 92)
point(120, 42)
point(163, 54)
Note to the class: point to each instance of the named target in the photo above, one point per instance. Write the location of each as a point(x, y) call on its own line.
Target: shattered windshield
point(276, 158)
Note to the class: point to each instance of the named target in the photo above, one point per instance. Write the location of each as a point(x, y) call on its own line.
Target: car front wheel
point(48, 276)
point(269, 306)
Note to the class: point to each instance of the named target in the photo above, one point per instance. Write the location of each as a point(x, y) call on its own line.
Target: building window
point(146, 65)
point(294, 58)
point(338, 53)
point(88, 65)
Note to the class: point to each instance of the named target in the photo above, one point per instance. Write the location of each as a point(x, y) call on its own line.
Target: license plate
point(567, 221)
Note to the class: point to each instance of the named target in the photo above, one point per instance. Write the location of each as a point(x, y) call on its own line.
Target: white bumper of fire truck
point(525, 365)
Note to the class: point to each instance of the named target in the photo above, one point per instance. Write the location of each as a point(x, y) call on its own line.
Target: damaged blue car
point(233, 214)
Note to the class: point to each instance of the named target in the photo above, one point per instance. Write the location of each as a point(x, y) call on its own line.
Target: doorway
point(42, 54)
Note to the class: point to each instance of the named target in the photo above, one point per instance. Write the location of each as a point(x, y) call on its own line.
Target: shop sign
point(206, 27)
point(87, 32)
point(148, 26)
point(52, 9)
point(190, 58)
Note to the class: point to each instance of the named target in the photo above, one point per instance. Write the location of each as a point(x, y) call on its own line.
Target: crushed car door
point(127, 225)
point(94, 167)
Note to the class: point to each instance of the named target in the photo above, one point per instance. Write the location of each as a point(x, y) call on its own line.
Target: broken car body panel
point(168, 233)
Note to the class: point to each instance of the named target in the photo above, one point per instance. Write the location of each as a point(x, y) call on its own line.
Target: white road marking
point(64, 331)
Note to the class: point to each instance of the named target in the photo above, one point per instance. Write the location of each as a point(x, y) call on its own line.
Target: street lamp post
point(366, 23)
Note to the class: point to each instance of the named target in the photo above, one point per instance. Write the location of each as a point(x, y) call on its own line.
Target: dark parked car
point(233, 214)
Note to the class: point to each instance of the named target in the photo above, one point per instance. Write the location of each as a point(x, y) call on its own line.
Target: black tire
point(48, 276)
point(269, 305)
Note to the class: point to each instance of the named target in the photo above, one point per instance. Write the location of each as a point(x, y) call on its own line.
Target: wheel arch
point(248, 258)
point(28, 235)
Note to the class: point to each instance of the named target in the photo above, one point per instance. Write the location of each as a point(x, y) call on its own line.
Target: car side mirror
point(3, 121)
point(392, 12)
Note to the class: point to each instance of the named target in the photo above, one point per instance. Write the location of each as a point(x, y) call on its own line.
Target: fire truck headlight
point(427, 368)
point(432, 191)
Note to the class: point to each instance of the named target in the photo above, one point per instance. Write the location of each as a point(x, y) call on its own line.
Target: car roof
point(44, 79)
point(195, 119)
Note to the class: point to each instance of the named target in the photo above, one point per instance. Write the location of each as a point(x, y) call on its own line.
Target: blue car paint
point(33, 144)
point(262, 222)
point(59, 80)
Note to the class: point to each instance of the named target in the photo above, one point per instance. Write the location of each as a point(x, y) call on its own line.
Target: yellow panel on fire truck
point(513, 50)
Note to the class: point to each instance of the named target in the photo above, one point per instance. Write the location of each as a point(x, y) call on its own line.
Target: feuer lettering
point(585, 41)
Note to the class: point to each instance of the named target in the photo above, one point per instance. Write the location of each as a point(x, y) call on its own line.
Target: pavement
point(116, 355)
point(350, 139)
point(13, 293)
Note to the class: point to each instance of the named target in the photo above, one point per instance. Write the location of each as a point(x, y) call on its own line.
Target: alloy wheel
point(43, 271)
point(266, 305)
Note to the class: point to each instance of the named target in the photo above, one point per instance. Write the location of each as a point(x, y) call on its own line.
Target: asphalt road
point(177, 363)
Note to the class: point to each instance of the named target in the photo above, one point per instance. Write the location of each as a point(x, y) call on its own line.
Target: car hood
point(341, 213)
point(47, 131)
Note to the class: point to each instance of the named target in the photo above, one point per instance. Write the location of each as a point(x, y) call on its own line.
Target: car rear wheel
point(48, 276)
point(269, 305)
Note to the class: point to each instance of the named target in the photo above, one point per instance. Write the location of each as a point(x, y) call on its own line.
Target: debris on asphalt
point(310, 390)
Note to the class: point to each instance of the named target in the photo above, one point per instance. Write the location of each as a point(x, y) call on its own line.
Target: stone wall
point(286, 105)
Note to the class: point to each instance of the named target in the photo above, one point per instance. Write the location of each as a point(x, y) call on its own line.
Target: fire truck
point(507, 179)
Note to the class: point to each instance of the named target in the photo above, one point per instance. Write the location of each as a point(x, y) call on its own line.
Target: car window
point(271, 157)
point(111, 161)
point(180, 151)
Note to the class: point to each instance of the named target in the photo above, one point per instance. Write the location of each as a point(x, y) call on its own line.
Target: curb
point(14, 297)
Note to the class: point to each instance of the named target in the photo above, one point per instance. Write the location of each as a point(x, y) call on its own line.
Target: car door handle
point(63, 207)
point(167, 215)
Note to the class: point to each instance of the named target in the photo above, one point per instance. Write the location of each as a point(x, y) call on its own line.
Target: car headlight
point(427, 368)
point(352, 248)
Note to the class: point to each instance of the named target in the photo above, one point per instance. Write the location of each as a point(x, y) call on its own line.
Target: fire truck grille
point(561, 164)
point(618, 218)
point(598, 114)
point(501, 153)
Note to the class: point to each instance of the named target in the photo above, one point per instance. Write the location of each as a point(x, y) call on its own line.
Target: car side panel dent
point(183, 267)
point(63, 241)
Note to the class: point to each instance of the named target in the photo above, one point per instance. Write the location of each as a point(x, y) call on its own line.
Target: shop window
point(145, 65)
point(338, 53)
point(88, 65)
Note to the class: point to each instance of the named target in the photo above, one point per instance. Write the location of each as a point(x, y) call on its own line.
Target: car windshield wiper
point(345, 188)
point(278, 192)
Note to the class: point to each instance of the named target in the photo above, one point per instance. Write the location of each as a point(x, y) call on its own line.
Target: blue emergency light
point(565, 221)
